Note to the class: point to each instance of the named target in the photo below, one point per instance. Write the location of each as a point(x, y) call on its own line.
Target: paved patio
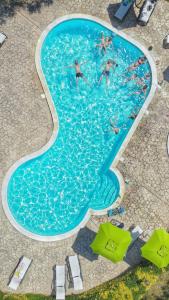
point(26, 125)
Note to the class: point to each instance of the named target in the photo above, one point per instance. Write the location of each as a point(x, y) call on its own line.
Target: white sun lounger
point(135, 233)
point(146, 11)
point(3, 37)
point(19, 273)
point(60, 282)
point(75, 272)
point(123, 9)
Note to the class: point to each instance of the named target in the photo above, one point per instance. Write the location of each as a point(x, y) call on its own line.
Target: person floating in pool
point(147, 76)
point(142, 90)
point(110, 64)
point(79, 74)
point(133, 77)
point(138, 63)
point(114, 127)
point(102, 45)
point(108, 41)
point(134, 113)
point(138, 80)
point(105, 43)
point(133, 116)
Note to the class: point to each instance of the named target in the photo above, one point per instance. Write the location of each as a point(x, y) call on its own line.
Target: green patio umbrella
point(111, 242)
point(156, 249)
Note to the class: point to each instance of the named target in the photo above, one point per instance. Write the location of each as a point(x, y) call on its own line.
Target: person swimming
point(114, 127)
point(133, 116)
point(102, 45)
point(106, 72)
point(108, 41)
point(138, 63)
point(133, 77)
point(142, 90)
point(141, 81)
point(138, 80)
point(79, 74)
point(147, 76)
point(105, 43)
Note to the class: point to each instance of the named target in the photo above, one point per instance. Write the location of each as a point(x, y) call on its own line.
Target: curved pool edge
point(56, 128)
point(62, 236)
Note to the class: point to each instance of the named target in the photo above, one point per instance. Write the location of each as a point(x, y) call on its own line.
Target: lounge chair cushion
point(78, 284)
point(74, 264)
point(60, 275)
point(60, 293)
point(60, 282)
point(75, 272)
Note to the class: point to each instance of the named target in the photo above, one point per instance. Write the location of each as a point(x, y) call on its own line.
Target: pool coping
point(56, 129)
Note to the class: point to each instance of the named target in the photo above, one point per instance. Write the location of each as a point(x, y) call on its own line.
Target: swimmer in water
point(114, 127)
point(147, 76)
point(138, 63)
point(106, 72)
point(105, 43)
point(136, 78)
point(133, 116)
point(102, 45)
point(79, 74)
point(133, 77)
point(108, 41)
point(142, 90)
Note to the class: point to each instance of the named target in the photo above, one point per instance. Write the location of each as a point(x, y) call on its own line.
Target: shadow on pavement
point(166, 74)
point(129, 21)
point(133, 256)
point(82, 244)
point(8, 8)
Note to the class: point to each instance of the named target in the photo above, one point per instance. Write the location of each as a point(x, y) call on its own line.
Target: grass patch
point(8, 296)
point(133, 285)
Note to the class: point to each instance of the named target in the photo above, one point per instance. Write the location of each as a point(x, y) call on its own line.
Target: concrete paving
point(26, 125)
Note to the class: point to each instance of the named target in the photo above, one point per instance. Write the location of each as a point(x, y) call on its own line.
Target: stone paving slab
point(26, 125)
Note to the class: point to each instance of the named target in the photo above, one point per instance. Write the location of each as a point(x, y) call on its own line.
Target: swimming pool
point(48, 195)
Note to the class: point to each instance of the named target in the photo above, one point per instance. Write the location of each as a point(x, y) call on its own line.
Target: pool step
point(106, 192)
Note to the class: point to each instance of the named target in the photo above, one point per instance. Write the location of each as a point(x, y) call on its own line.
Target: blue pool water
point(50, 195)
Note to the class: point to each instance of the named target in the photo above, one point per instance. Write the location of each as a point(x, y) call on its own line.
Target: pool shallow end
point(55, 131)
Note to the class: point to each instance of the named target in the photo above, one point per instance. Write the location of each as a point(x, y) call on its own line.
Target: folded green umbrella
point(111, 242)
point(156, 249)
